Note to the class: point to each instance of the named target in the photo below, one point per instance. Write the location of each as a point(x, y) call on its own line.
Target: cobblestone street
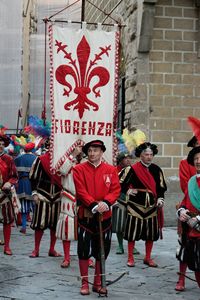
point(41, 278)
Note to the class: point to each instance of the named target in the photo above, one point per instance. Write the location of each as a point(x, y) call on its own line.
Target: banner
point(83, 90)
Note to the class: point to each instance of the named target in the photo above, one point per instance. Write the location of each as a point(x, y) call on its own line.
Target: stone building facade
point(160, 64)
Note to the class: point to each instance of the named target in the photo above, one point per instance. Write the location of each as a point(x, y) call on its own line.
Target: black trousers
point(89, 237)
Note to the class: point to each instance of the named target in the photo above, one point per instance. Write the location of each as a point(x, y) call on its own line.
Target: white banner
point(83, 90)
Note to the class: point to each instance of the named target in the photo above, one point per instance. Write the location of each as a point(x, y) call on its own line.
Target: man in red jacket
point(97, 188)
point(186, 171)
point(189, 215)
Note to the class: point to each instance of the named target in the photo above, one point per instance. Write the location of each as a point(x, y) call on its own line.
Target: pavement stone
point(42, 278)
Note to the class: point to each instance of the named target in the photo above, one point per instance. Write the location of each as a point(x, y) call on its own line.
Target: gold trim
point(135, 214)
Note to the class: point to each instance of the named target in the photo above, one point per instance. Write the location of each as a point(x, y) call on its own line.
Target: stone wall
point(160, 53)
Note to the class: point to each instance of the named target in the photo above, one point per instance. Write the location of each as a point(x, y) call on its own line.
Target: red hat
point(29, 146)
point(5, 139)
point(95, 143)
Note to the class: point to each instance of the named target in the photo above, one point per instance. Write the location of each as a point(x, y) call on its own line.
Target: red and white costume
point(65, 229)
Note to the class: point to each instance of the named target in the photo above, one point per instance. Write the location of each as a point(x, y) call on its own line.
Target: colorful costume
point(189, 214)
point(94, 184)
point(119, 213)
point(143, 217)
point(189, 253)
point(24, 191)
point(186, 171)
point(8, 173)
point(65, 229)
point(47, 209)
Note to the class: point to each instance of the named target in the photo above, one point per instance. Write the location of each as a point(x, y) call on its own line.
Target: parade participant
point(119, 209)
point(145, 185)
point(23, 164)
point(66, 229)
point(186, 171)
point(8, 178)
point(189, 215)
point(46, 190)
point(97, 188)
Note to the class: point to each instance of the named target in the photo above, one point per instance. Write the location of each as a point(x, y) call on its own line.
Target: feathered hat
point(195, 125)
point(133, 139)
point(40, 130)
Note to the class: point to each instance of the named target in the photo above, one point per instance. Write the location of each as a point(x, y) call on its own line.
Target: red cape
point(45, 161)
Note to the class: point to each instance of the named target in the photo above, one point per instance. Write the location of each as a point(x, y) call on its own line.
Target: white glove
point(160, 202)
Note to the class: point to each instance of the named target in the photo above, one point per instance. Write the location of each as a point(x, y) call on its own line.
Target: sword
point(102, 259)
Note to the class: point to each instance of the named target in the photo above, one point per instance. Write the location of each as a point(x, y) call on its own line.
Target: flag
point(83, 90)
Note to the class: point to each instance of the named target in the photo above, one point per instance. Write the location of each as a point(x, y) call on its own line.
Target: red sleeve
point(184, 175)
point(81, 192)
point(13, 174)
point(186, 171)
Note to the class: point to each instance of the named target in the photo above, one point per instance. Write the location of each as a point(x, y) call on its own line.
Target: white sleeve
point(66, 167)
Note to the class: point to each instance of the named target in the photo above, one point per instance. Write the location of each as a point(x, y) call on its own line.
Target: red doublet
point(95, 184)
point(186, 171)
point(9, 172)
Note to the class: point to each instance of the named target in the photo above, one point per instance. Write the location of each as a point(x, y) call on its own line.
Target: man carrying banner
point(8, 178)
point(145, 184)
point(97, 188)
point(66, 229)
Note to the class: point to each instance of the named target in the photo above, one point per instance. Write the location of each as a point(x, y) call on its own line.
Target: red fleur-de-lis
point(82, 76)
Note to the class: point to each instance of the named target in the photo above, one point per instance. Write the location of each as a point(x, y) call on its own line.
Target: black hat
point(122, 155)
point(191, 154)
point(95, 143)
point(144, 146)
point(192, 142)
point(5, 139)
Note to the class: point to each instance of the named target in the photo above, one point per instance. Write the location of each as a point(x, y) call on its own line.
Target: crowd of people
point(88, 199)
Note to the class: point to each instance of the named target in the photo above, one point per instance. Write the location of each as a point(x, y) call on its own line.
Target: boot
point(83, 266)
point(97, 281)
point(120, 249)
point(52, 251)
point(180, 286)
point(147, 260)
point(38, 237)
point(130, 262)
point(66, 248)
point(7, 235)
point(197, 276)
